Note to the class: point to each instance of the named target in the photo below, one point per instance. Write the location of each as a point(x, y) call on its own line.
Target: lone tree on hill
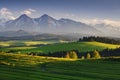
point(88, 56)
point(96, 54)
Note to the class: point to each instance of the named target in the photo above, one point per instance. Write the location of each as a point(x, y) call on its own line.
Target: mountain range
point(47, 24)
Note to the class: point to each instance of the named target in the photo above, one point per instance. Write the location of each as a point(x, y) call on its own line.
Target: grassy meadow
point(27, 67)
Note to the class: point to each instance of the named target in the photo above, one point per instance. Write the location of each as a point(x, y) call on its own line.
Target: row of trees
point(95, 54)
point(100, 39)
point(76, 54)
point(73, 55)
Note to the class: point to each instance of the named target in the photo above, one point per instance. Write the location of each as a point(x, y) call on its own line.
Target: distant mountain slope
point(47, 24)
point(22, 23)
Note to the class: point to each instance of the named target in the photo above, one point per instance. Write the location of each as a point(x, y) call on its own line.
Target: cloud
point(99, 21)
point(32, 10)
point(112, 22)
point(28, 11)
point(12, 17)
point(6, 13)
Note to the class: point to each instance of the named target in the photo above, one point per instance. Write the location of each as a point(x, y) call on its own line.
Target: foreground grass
point(26, 60)
point(26, 67)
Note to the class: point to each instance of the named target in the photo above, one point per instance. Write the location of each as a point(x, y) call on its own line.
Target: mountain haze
point(48, 24)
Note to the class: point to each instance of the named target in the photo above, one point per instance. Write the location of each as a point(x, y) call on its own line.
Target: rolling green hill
point(27, 67)
point(80, 46)
point(52, 46)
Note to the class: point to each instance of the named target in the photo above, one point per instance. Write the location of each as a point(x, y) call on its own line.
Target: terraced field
point(24, 67)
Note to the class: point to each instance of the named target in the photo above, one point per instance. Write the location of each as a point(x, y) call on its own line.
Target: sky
point(88, 11)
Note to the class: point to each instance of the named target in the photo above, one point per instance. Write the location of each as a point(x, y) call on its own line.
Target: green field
point(26, 42)
point(33, 46)
point(26, 67)
point(80, 46)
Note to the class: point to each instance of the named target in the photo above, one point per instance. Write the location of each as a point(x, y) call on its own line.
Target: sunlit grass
point(21, 48)
point(25, 43)
point(11, 43)
point(105, 45)
point(27, 60)
point(28, 43)
point(4, 44)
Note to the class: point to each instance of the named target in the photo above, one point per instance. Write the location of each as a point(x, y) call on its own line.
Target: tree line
point(100, 39)
point(110, 52)
point(73, 54)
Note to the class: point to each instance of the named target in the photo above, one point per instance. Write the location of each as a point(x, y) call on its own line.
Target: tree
point(71, 54)
point(88, 56)
point(67, 55)
point(96, 54)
